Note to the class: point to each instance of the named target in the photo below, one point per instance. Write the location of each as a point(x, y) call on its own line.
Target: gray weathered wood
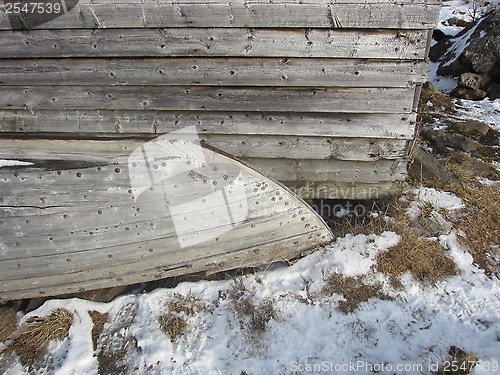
point(339, 190)
point(112, 123)
point(314, 14)
point(351, 100)
point(338, 171)
point(379, 44)
point(68, 247)
point(297, 72)
point(246, 146)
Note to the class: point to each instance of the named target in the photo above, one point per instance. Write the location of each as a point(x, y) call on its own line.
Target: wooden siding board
point(223, 42)
point(357, 100)
point(272, 72)
point(315, 14)
point(102, 123)
point(340, 171)
point(245, 146)
point(338, 190)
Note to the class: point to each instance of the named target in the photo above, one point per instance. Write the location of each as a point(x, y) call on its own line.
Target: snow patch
point(13, 163)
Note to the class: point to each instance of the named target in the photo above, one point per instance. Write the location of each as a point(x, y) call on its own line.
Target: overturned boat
point(171, 207)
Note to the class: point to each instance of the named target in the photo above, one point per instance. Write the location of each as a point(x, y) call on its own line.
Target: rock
point(454, 21)
point(473, 81)
point(468, 94)
point(479, 168)
point(432, 225)
point(427, 166)
point(494, 91)
point(438, 35)
point(442, 139)
point(475, 49)
point(439, 49)
point(471, 127)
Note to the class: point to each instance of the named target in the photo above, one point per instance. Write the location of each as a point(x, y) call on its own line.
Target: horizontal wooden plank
point(338, 190)
point(245, 146)
point(25, 192)
point(292, 72)
point(112, 123)
point(351, 100)
point(342, 171)
point(222, 42)
point(151, 13)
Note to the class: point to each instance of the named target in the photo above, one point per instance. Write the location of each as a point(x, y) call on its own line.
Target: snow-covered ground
point(410, 334)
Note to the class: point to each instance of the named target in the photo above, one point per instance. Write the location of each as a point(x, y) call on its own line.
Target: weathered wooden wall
point(319, 94)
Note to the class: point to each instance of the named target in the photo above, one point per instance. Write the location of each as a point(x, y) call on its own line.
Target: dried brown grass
point(99, 319)
point(432, 101)
point(254, 316)
point(459, 362)
point(422, 257)
point(482, 224)
point(30, 341)
point(353, 290)
point(180, 304)
point(174, 326)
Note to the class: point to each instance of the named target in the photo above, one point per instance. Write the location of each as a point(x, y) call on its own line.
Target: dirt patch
point(30, 341)
point(353, 290)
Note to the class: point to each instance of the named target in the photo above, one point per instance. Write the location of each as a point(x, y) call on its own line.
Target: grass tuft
point(184, 304)
point(174, 326)
point(31, 340)
point(99, 320)
point(353, 290)
point(422, 257)
point(254, 316)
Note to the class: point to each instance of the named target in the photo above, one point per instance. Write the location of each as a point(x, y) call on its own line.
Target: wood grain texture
point(115, 238)
point(339, 190)
point(245, 146)
point(315, 14)
point(350, 100)
point(106, 123)
point(338, 171)
point(294, 72)
point(221, 42)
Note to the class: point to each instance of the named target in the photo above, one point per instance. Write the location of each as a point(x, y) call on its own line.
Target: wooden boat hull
point(70, 226)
